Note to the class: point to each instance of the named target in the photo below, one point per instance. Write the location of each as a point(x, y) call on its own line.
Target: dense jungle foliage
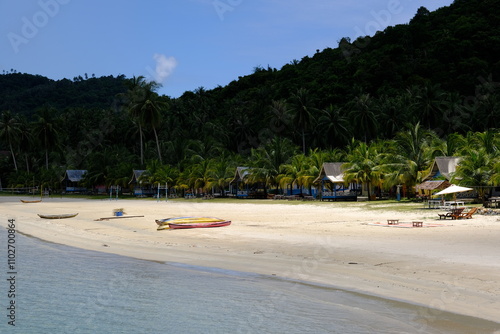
point(386, 104)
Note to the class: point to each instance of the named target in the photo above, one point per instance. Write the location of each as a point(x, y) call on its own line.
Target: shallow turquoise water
point(61, 289)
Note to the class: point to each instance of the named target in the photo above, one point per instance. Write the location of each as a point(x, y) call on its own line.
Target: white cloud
point(164, 67)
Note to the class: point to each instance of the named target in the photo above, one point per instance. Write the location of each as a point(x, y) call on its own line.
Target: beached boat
point(60, 216)
point(199, 225)
point(33, 201)
point(184, 220)
point(190, 222)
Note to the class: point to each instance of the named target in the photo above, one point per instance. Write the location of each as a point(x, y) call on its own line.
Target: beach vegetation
point(384, 105)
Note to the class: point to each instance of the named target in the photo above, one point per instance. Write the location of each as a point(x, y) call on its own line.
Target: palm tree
point(476, 170)
point(222, 172)
point(267, 159)
point(429, 101)
point(145, 108)
point(152, 117)
point(157, 174)
point(46, 129)
point(333, 124)
point(495, 177)
point(302, 108)
point(490, 141)
point(25, 140)
point(279, 119)
point(363, 116)
point(452, 145)
point(300, 171)
point(364, 166)
point(394, 113)
point(201, 175)
point(409, 156)
point(9, 131)
point(415, 145)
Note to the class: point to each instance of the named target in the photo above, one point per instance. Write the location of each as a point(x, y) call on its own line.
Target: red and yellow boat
point(191, 222)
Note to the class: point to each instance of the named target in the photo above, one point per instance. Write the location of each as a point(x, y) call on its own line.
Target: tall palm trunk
point(27, 162)
point(157, 144)
point(13, 155)
point(303, 141)
point(141, 145)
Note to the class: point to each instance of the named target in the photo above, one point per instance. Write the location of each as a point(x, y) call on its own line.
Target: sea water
point(60, 289)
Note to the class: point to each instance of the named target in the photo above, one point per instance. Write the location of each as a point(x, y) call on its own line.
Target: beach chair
point(453, 214)
point(468, 214)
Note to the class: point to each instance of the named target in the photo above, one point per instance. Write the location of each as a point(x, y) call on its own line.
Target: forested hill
point(411, 92)
point(25, 93)
point(440, 69)
point(455, 49)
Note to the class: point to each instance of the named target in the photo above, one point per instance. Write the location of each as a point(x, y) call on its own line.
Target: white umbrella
point(453, 189)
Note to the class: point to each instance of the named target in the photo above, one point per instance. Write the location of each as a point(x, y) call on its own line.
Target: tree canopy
point(421, 89)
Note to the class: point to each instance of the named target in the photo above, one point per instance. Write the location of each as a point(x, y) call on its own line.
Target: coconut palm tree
point(201, 175)
point(222, 171)
point(300, 172)
point(47, 131)
point(302, 107)
point(429, 102)
point(495, 177)
point(363, 116)
point(157, 174)
point(9, 131)
point(333, 125)
point(144, 106)
point(25, 140)
point(476, 170)
point(267, 159)
point(415, 145)
point(279, 116)
point(364, 166)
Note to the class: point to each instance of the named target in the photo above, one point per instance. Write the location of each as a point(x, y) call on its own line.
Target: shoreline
point(452, 268)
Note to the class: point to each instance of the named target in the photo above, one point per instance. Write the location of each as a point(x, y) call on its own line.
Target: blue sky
point(184, 44)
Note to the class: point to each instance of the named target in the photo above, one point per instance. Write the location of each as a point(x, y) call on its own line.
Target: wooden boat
point(117, 217)
point(199, 225)
point(60, 216)
point(184, 220)
point(33, 201)
point(190, 222)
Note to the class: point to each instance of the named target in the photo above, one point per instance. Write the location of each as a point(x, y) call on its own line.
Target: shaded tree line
point(436, 73)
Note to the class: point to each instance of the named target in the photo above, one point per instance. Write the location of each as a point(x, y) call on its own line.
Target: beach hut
point(333, 187)
point(242, 188)
point(442, 168)
point(425, 189)
point(72, 180)
point(238, 186)
point(141, 189)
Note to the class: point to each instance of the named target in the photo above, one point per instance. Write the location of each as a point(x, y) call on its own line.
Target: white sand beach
point(452, 267)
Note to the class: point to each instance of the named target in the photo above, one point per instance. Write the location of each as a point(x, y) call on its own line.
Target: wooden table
point(418, 224)
point(393, 221)
point(493, 202)
point(434, 203)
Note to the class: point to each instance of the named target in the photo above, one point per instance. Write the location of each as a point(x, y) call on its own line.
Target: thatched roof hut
point(136, 174)
point(443, 167)
point(240, 174)
point(72, 178)
point(74, 175)
point(331, 171)
point(433, 185)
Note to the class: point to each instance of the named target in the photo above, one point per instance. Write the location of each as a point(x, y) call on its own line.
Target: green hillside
point(437, 74)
